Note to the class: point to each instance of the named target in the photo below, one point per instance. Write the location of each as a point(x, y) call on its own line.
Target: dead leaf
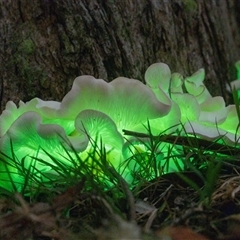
point(179, 233)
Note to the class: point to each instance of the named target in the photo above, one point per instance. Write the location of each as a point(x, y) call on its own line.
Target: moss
point(190, 5)
point(28, 69)
point(27, 47)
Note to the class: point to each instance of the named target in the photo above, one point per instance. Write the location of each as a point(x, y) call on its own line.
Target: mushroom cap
point(126, 101)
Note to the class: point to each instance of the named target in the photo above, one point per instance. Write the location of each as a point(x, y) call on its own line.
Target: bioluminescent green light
point(49, 136)
point(237, 65)
point(236, 84)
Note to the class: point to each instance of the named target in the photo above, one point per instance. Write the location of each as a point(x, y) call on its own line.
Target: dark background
point(45, 44)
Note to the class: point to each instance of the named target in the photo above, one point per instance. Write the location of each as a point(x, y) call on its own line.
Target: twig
point(188, 141)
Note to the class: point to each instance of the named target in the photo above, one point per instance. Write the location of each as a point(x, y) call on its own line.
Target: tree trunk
point(45, 44)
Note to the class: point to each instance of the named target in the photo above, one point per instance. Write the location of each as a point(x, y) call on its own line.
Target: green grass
point(185, 153)
point(104, 192)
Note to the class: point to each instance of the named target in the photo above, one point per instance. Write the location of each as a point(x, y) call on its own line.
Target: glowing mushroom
point(194, 85)
point(128, 102)
point(26, 142)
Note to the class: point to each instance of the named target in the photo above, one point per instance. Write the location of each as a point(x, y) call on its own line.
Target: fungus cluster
point(95, 113)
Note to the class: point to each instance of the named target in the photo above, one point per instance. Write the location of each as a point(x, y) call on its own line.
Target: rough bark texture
point(45, 44)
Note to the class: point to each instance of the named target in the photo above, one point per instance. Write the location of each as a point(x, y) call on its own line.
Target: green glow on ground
point(86, 128)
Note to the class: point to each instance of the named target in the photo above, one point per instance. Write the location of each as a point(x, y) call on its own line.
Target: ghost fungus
point(236, 83)
point(157, 77)
point(99, 127)
point(93, 114)
point(158, 74)
point(147, 163)
point(167, 124)
point(189, 107)
point(102, 132)
point(205, 130)
point(194, 85)
point(226, 130)
point(135, 103)
point(46, 109)
point(213, 110)
point(231, 126)
point(128, 102)
point(28, 140)
point(29, 136)
point(176, 83)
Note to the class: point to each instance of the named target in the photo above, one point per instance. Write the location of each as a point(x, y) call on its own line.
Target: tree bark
point(45, 44)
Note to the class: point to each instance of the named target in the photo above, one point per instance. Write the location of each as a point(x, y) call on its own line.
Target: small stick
point(189, 141)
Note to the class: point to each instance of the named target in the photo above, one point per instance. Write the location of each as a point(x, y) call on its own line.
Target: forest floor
point(167, 208)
